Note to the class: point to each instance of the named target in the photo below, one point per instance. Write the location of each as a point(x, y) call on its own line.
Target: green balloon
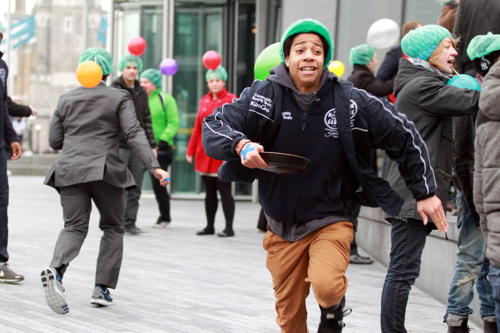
point(267, 59)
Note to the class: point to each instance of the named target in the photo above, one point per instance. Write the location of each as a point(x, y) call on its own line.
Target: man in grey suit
point(87, 125)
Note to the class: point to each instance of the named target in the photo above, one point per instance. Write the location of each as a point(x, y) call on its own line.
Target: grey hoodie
point(487, 163)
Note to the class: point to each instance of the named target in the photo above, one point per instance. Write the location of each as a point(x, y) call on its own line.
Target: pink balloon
point(211, 59)
point(137, 46)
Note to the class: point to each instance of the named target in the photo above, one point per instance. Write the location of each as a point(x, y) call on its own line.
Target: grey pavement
point(171, 280)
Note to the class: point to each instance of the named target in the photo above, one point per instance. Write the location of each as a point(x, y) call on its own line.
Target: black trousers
point(212, 185)
point(161, 193)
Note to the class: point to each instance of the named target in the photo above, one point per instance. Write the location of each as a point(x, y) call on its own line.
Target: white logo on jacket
point(287, 115)
point(331, 129)
point(3, 76)
point(261, 102)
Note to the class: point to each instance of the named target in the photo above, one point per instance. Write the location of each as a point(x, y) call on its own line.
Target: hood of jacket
point(281, 75)
point(409, 69)
point(488, 101)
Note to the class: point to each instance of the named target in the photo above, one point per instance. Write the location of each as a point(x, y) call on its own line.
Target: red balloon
point(137, 46)
point(211, 59)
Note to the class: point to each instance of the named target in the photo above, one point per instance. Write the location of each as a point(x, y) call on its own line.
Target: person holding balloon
point(206, 166)
point(130, 66)
point(303, 109)
point(87, 126)
point(423, 95)
point(165, 121)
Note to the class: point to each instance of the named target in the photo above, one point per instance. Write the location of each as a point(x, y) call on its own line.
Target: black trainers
point(356, 258)
point(101, 296)
point(54, 290)
point(132, 230)
point(225, 233)
point(459, 326)
point(205, 231)
point(7, 275)
point(332, 318)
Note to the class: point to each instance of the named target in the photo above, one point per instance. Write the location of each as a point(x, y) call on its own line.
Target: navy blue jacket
point(363, 122)
point(7, 133)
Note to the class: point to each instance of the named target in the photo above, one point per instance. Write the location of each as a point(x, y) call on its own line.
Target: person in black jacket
point(303, 109)
point(471, 261)
point(389, 66)
point(131, 66)
point(424, 97)
point(364, 61)
point(10, 147)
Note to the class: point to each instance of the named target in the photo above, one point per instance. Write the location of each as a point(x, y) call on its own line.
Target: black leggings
point(212, 184)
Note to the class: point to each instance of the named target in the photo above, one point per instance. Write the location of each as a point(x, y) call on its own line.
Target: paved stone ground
point(171, 280)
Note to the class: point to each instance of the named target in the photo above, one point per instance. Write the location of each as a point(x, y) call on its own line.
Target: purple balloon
point(169, 66)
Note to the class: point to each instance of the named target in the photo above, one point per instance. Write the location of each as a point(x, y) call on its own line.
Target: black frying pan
point(283, 163)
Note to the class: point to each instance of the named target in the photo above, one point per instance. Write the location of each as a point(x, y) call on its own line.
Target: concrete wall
point(438, 258)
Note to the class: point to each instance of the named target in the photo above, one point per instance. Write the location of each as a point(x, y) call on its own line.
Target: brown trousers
point(319, 259)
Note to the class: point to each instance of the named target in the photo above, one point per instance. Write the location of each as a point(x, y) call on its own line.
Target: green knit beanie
point(218, 73)
point(421, 42)
point(153, 75)
point(308, 26)
point(361, 54)
point(482, 45)
point(102, 57)
point(130, 59)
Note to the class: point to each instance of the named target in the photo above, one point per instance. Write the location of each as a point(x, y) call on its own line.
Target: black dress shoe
point(225, 233)
point(132, 229)
point(205, 231)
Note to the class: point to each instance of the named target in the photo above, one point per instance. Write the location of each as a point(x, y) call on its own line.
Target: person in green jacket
point(165, 122)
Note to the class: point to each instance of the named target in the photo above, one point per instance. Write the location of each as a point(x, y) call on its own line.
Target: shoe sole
point(54, 297)
point(100, 302)
point(11, 281)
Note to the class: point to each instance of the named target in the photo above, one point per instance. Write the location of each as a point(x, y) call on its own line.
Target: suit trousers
point(76, 205)
point(319, 259)
point(132, 195)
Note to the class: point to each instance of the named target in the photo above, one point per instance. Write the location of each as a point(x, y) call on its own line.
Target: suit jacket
point(87, 126)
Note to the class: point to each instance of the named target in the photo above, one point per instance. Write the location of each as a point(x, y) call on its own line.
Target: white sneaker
point(54, 291)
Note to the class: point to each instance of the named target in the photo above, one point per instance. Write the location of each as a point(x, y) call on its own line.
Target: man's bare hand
point(250, 156)
point(433, 209)
point(16, 150)
point(162, 176)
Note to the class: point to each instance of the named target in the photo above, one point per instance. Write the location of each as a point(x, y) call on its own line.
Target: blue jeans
point(472, 267)
point(407, 243)
point(4, 202)
point(494, 276)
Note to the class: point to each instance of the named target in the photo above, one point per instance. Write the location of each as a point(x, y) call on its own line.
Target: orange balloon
point(89, 74)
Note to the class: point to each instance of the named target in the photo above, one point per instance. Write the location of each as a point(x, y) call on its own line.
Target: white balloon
point(383, 33)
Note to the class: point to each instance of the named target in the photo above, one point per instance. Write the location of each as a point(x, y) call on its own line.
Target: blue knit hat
point(218, 73)
point(361, 54)
point(102, 57)
point(421, 42)
point(152, 75)
point(308, 26)
point(129, 58)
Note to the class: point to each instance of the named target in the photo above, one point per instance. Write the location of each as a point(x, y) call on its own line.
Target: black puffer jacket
point(7, 133)
point(423, 96)
point(140, 99)
point(470, 22)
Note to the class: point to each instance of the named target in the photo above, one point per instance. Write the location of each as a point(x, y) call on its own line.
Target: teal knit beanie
point(482, 45)
point(102, 57)
point(361, 54)
point(421, 42)
point(152, 75)
point(128, 59)
point(218, 73)
point(308, 26)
